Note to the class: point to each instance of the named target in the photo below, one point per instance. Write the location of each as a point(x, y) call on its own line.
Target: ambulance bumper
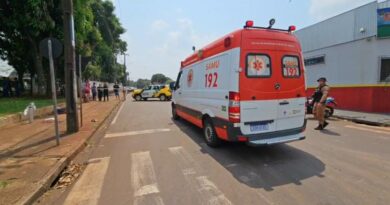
point(276, 140)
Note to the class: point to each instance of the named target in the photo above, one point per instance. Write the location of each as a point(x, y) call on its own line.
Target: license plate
point(259, 127)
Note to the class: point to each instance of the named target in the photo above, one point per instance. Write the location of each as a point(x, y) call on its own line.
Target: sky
point(161, 33)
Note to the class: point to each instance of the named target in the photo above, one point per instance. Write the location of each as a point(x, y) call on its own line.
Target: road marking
point(366, 129)
point(143, 179)
point(132, 133)
point(117, 114)
point(87, 189)
point(207, 190)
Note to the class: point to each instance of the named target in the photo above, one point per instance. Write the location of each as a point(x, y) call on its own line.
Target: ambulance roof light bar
point(250, 25)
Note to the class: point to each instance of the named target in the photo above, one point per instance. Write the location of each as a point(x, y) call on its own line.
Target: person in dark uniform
point(116, 90)
point(319, 99)
point(94, 91)
point(105, 92)
point(100, 91)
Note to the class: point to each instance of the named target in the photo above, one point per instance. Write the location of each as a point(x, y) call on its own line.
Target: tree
point(25, 23)
point(141, 83)
point(92, 72)
point(159, 79)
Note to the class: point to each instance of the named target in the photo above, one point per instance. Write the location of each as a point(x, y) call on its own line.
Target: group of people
point(100, 91)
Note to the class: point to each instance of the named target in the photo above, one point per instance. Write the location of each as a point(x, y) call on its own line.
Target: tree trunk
point(20, 82)
point(38, 66)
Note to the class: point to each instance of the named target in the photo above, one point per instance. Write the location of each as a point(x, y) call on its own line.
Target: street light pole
point(72, 122)
point(124, 63)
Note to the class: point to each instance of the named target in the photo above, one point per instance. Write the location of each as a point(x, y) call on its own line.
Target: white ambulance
point(248, 86)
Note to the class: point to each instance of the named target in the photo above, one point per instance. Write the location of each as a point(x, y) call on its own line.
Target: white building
point(352, 50)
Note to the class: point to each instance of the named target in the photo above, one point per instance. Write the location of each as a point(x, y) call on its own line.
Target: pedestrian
point(116, 90)
point(94, 91)
point(100, 91)
point(105, 91)
point(319, 99)
point(87, 91)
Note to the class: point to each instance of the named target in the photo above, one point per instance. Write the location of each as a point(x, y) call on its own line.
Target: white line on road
point(117, 114)
point(143, 179)
point(208, 191)
point(132, 133)
point(367, 129)
point(87, 189)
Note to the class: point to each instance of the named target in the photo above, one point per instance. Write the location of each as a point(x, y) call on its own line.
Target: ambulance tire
point(210, 135)
point(175, 116)
point(145, 99)
point(138, 98)
point(163, 97)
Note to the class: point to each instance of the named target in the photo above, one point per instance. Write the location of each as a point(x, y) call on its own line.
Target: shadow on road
point(260, 167)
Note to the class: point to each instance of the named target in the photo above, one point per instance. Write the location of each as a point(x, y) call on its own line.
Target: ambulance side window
point(258, 66)
point(291, 67)
point(177, 84)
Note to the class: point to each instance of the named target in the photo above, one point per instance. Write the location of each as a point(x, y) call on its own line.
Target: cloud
point(321, 9)
point(159, 25)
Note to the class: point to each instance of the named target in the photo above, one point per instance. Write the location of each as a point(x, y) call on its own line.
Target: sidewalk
point(363, 117)
point(30, 159)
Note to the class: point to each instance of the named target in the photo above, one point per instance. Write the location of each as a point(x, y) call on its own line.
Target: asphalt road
point(144, 157)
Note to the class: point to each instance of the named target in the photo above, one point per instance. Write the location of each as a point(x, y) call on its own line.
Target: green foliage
point(92, 72)
point(141, 83)
point(160, 79)
point(25, 23)
point(15, 105)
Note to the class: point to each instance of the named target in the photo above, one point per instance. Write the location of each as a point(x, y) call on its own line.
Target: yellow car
point(161, 92)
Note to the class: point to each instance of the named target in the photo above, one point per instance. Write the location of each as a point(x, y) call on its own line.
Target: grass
point(15, 105)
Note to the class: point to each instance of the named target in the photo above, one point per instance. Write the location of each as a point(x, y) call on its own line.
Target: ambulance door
point(177, 92)
point(291, 106)
point(258, 88)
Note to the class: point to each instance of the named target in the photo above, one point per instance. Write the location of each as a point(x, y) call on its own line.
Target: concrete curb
point(362, 121)
point(44, 184)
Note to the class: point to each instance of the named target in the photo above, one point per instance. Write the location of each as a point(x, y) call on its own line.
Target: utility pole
point(72, 121)
point(124, 63)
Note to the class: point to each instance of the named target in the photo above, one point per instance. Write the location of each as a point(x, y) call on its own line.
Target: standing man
point(105, 91)
point(319, 98)
point(94, 91)
point(116, 90)
point(100, 91)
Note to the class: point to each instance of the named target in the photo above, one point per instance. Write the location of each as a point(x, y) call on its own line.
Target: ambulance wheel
point(138, 98)
point(163, 98)
point(210, 135)
point(145, 99)
point(175, 116)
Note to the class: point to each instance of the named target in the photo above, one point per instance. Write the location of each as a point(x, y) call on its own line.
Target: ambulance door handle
point(179, 93)
point(284, 103)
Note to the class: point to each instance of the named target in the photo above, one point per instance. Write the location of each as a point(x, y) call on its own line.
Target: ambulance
point(248, 86)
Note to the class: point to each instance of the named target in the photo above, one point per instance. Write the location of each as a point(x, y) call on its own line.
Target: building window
point(314, 60)
point(385, 70)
